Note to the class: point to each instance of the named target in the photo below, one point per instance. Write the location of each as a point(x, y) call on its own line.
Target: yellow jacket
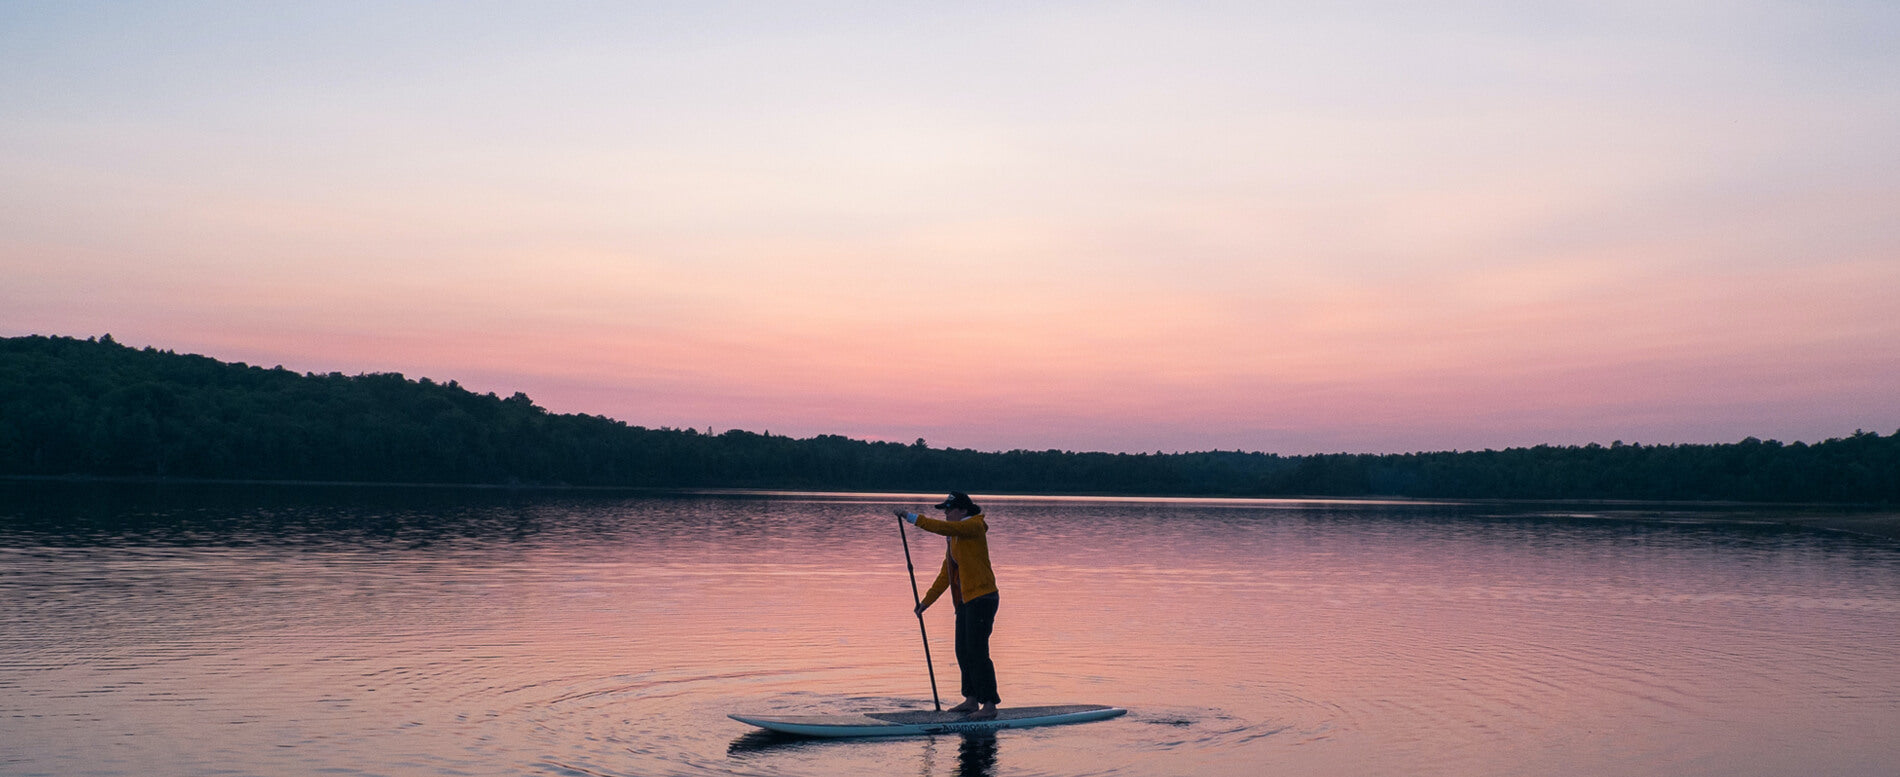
point(969, 552)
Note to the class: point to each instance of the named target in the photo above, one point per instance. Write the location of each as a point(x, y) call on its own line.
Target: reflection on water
point(173, 630)
point(975, 757)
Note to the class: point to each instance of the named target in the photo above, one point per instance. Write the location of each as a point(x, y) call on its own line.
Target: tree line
point(95, 407)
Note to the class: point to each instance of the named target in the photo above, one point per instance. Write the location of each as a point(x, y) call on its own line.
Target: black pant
point(975, 619)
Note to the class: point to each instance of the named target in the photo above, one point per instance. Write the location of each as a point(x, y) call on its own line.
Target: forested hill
point(94, 407)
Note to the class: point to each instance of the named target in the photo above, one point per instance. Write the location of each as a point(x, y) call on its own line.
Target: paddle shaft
point(905, 536)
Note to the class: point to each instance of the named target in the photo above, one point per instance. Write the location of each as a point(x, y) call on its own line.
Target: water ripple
point(610, 636)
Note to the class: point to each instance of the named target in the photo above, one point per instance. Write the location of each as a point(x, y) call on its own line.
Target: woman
point(966, 574)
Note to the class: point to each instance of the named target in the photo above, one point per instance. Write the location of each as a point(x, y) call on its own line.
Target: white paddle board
point(911, 723)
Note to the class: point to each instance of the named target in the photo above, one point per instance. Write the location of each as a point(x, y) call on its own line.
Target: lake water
point(305, 631)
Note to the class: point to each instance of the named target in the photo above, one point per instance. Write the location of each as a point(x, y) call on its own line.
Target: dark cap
point(958, 499)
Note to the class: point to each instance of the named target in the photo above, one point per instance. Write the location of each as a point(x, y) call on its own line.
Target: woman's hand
point(920, 609)
point(908, 516)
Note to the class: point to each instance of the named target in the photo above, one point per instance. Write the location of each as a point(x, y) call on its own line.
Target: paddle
point(905, 536)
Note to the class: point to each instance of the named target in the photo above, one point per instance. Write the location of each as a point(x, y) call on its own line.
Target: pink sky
point(993, 227)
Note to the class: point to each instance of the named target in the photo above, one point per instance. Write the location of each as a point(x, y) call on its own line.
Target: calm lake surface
point(303, 631)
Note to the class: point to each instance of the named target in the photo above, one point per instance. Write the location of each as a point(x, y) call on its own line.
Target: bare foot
point(968, 705)
point(986, 713)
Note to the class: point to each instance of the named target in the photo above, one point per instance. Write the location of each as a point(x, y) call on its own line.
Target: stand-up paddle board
point(911, 723)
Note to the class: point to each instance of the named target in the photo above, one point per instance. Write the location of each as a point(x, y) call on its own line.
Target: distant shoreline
point(1868, 520)
point(97, 408)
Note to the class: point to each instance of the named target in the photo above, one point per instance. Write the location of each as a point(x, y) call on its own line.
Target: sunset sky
point(1296, 228)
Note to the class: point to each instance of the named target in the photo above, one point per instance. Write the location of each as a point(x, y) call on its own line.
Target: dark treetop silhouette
point(94, 407)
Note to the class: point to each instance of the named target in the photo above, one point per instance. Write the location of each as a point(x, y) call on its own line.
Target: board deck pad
point(910, 722)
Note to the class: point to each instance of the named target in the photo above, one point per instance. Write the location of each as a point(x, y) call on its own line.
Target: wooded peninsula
point(95, 408)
